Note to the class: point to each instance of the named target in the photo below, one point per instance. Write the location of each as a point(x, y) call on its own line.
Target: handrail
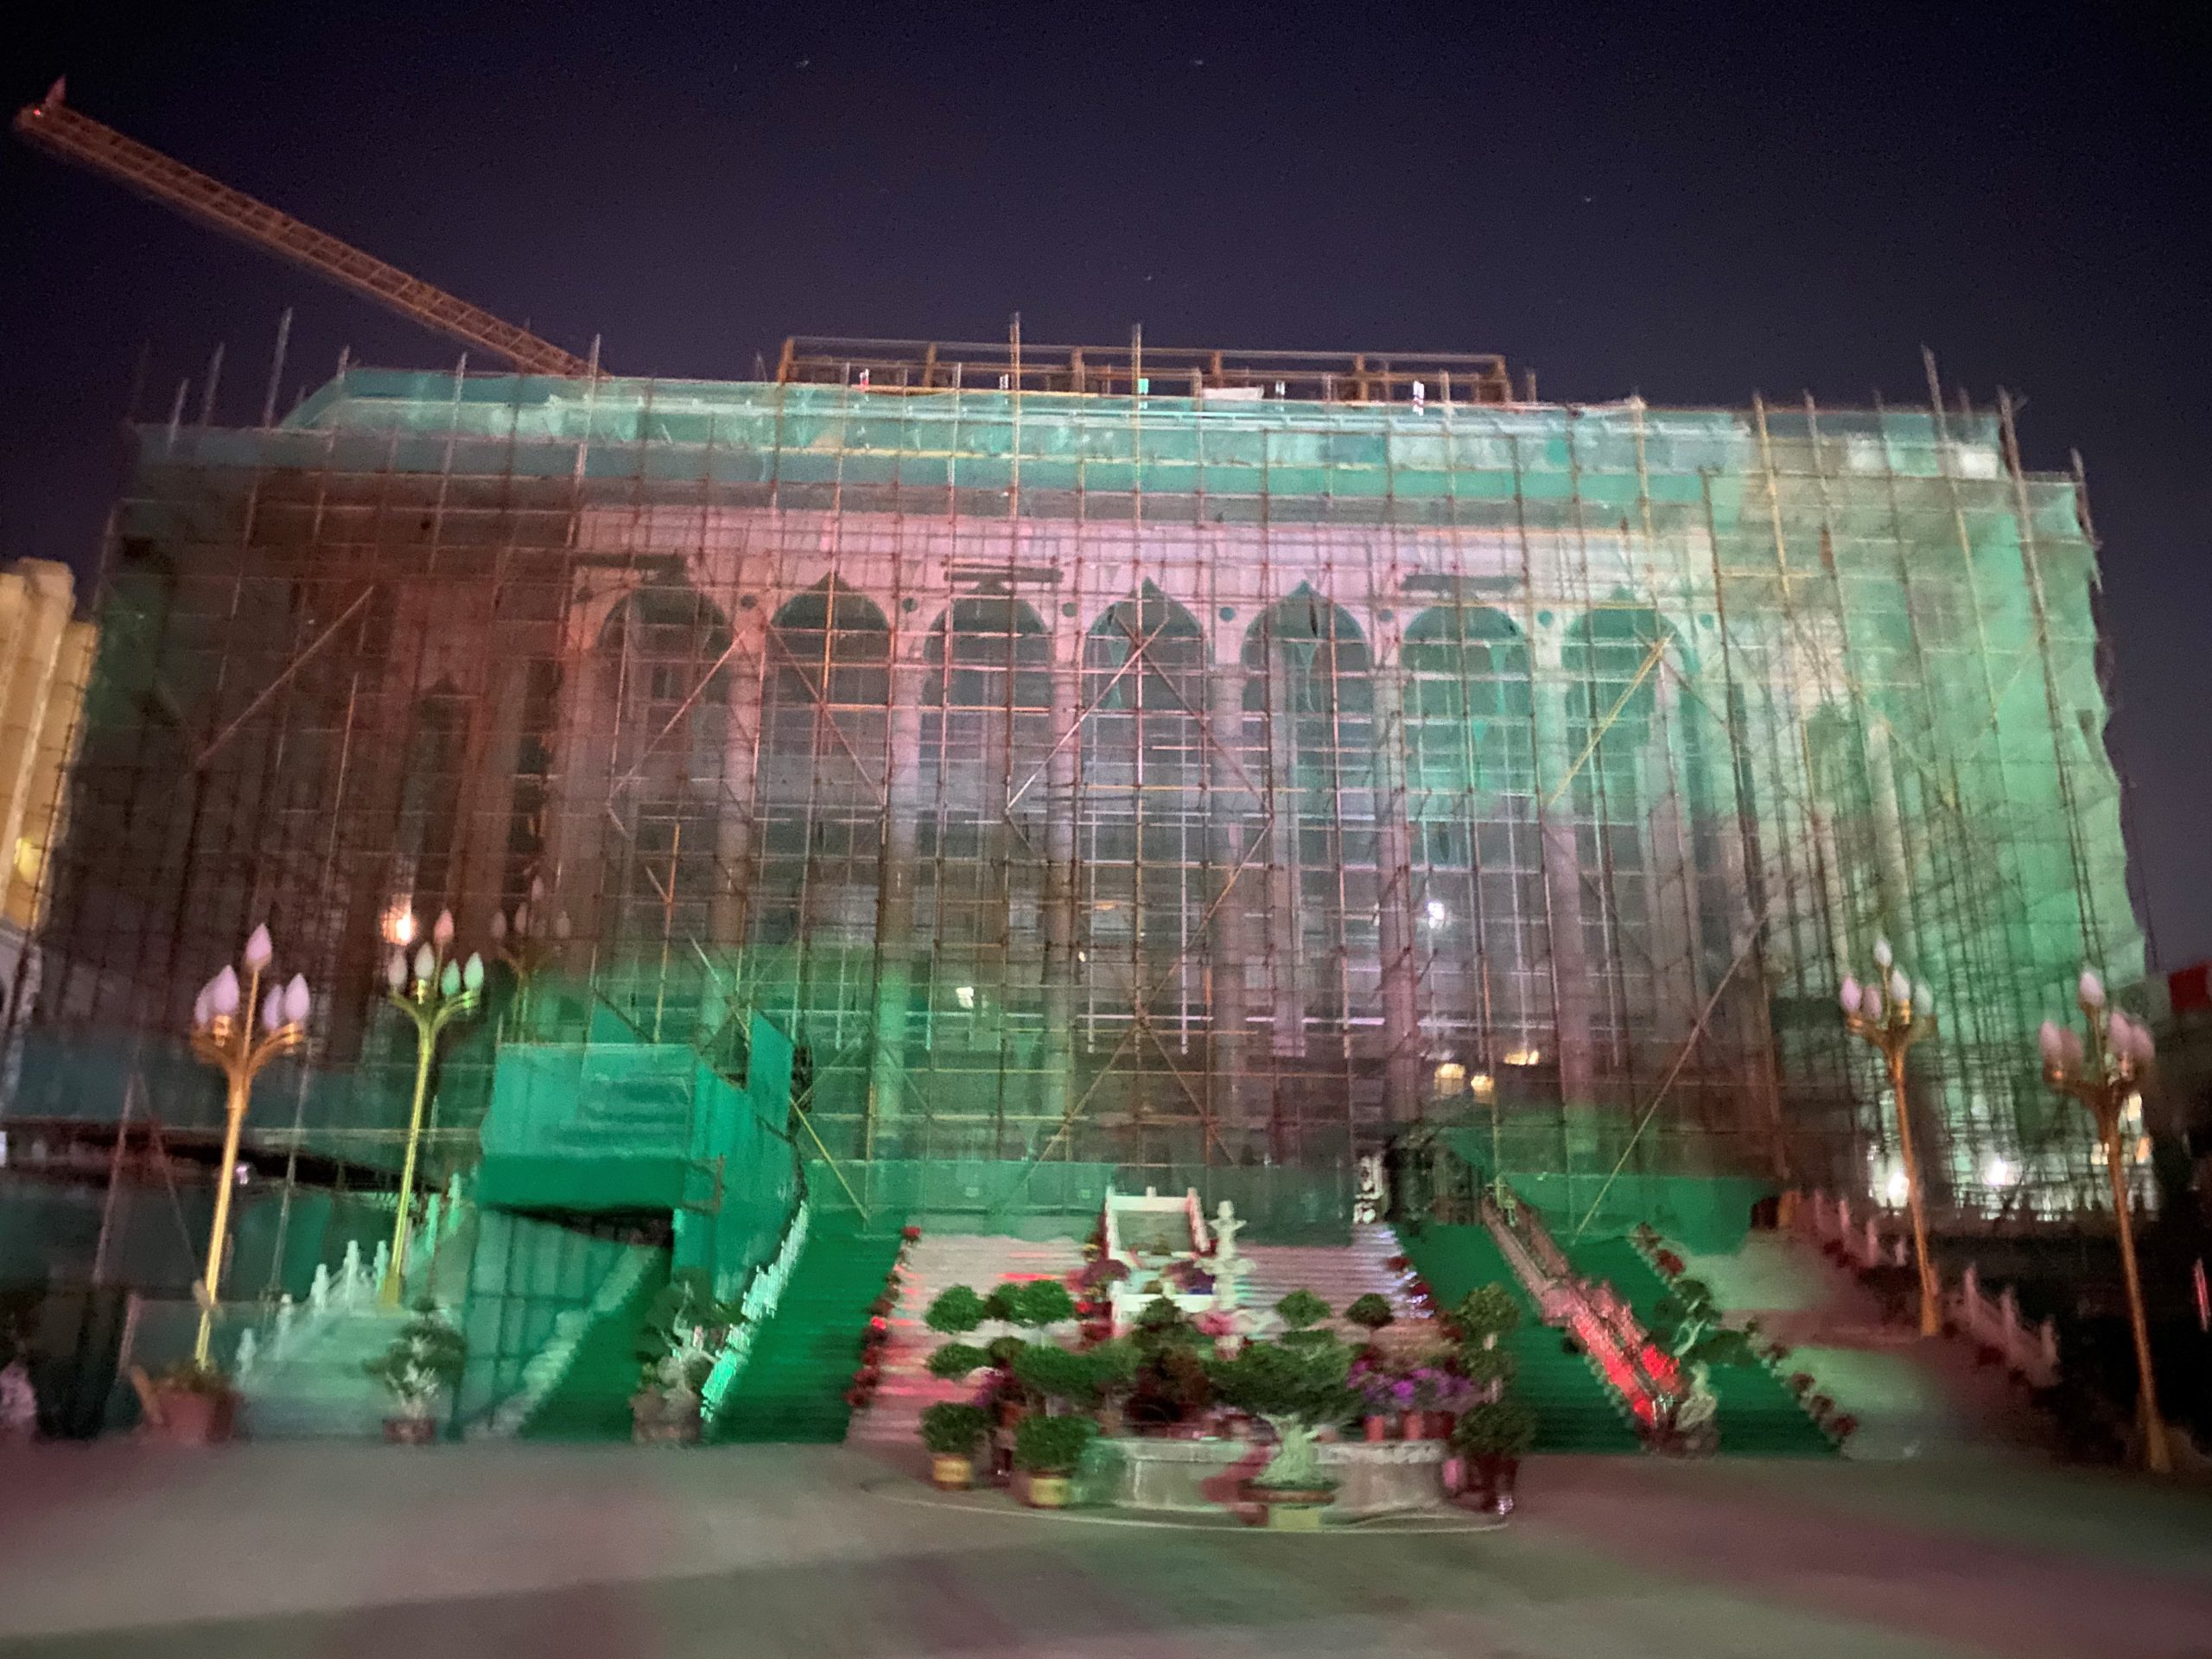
point(1994, 1322)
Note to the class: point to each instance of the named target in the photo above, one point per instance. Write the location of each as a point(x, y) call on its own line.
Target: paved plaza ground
point(258, 1552)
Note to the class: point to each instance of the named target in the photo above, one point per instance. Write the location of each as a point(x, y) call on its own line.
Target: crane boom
point(53, 126)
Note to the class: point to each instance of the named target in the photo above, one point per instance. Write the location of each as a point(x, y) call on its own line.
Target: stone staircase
point(1338, 1275)
point(1914, 1397)
point(936, 1262)
point(320, 1390)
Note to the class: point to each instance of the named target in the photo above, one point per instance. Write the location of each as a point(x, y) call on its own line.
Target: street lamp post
point(223, 1034)
point(1892, 1015)
point(2104, 1077)
point(432, 992)
point(527, 943)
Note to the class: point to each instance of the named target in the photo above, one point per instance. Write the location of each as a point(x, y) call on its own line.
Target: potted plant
point(424, 1360)
point(1047, 1449)
point(682, 1333)
point(956, 1312)
point(191, 1404)
point(1493, 1437)
point(1369, 1313)
point(951, 1430)
point(1298, 1384)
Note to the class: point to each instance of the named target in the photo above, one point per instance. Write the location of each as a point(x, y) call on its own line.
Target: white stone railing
point(756, 1303)
point(2029, 1351)
point(1992, 1322)
point(1613, 1342)
point(288, 1327)
point(442, 1218)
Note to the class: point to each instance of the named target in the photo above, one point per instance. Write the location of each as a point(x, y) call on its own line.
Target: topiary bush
point(956, 1312)
point(952, 1429)
point(1301, 1309)
point(1370, 1312)
point(1496, 1428)
point(1036, 1302)
point(1490, 1311)
point(1055, 1372)
point(1052, 1445)
point(1299, 1387)
point(955, 1360)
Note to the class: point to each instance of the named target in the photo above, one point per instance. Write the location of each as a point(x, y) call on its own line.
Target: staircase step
point(792, 1387)
point(1574, 1411)
point(1756, 1415)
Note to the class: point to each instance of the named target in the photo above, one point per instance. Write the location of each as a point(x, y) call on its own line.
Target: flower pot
point(1291, 1508)
point(1376, 1426)
point(656, 1420)
point(1047, 1492)
point(410, 1431)
point(952, 1472)
point(189, 1417)
point(1495, 1476)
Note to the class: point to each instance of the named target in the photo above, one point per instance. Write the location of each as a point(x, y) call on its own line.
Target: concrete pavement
point(263, 1551)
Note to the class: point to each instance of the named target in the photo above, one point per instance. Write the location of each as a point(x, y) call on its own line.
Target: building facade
point(1233, 764)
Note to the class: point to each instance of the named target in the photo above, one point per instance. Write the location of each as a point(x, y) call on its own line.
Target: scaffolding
point(1191, 759)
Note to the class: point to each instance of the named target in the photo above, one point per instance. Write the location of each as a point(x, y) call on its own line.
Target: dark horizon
point(1688, 208)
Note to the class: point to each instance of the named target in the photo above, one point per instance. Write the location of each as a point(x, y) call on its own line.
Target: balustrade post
point(246, 1353)
point(318, 1291)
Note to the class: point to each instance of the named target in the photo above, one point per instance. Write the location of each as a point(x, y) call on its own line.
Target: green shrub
point(1051, 1445)
point(956, 1312)
point(1160, 1325)
point(1370, 1312)
point(1037, 1302)
point(1491, 1311)
point(1114, 1365)
point(1057, 1373)
point(951, 1429)
point(1499, 1428)
point(1487, 1365)
point(1299, 1387)
point(1302, 1309)
point(955, 1360)
point(1002, 1350)
point(424, 1360)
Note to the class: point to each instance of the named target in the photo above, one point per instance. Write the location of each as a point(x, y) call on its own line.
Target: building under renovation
point(1155, 759)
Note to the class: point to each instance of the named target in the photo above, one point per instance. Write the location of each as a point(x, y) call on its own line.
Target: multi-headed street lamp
point(1892, 1016)
point(432, 991)
point(2105, 1076)
point(527, 943)
point(224, 1035)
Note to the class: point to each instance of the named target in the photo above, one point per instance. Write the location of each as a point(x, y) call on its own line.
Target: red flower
point(1800, 1381)
point(910, 1234)
point(1844, 1426)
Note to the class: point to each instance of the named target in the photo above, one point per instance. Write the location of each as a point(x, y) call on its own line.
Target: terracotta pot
point(1495, 1476)
point(1290, 1510)
point(952, 1472)
point(1047, 1492)
point(410, 1431)
point(1377, 1427)
point(655, 1420)
point(190, 1418)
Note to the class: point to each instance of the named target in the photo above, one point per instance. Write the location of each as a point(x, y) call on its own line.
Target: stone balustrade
point(1993, 1323)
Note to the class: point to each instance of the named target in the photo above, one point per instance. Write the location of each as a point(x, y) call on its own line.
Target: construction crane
point(53, 126)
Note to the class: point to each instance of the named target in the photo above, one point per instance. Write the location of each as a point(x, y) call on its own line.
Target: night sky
point(1693, 207)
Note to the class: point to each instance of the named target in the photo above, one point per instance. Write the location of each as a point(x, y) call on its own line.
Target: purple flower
point(1401, 1391)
